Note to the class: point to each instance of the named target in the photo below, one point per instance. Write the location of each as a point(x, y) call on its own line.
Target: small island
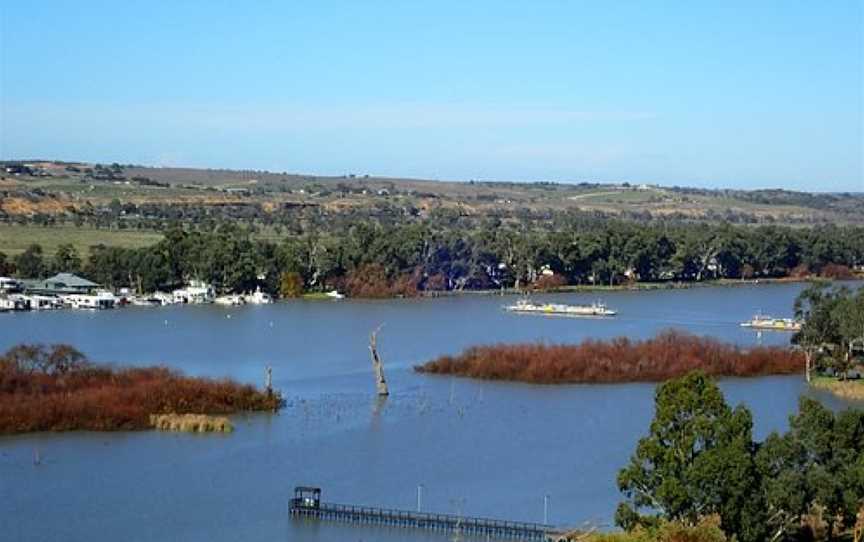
point(668, 355)
point(57, 388)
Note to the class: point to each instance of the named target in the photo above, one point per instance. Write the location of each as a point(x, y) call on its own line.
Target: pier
point(307, 504)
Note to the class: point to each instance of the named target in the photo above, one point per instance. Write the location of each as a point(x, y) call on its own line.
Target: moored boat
point(258, 297)
point(230, 300)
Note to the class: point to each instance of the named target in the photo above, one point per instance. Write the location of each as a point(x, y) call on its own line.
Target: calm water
point(483, 448)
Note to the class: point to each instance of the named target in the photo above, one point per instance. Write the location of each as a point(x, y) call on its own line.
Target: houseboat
point(594, 309)
point(196, 292)
point(98, 301)
point(258, 297)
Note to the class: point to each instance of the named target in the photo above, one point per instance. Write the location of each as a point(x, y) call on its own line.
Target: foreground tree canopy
point(440, 254)
point(700, 460)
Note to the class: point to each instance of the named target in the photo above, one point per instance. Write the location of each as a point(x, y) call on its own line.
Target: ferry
point(594, 309)
point(769, 322)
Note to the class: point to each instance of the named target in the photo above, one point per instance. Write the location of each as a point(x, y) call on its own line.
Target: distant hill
point(51, 187)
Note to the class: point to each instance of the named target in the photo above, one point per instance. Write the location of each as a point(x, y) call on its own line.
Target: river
point(480, 448)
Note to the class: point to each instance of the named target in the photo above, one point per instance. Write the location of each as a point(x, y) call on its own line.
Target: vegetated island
point(668, 355)
point(57, 389)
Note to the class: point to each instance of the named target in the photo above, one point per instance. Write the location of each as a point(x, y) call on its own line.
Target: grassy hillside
point(14, 238)
point(54, 188)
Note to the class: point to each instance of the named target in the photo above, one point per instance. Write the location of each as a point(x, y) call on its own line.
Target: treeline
point(366, 258)
point(58, 389)
point(668, 355)
point(699, 461)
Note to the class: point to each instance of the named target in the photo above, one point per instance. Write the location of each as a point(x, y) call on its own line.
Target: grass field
point(14, 239)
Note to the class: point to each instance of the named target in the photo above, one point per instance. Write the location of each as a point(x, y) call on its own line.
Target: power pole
point(545, 509)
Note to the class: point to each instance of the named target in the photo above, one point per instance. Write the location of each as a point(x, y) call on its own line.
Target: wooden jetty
point(307, 504)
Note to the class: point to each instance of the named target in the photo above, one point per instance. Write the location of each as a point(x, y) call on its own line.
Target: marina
point(66, 290)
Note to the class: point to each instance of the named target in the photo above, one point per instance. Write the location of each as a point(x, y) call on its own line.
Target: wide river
point(483, 448)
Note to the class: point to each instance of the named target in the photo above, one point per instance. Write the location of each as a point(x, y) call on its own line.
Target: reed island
point(57, 388)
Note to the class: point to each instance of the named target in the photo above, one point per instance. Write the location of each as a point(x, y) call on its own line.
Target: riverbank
point(634, 286)
point(668, 355)
point(58, 389)
point(847, 389)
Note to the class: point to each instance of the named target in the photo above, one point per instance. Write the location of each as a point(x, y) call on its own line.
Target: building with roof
point(61, 284)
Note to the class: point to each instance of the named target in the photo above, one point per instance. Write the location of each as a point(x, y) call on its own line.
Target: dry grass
point(849, 389)
point(14, 239)
point(191, 423)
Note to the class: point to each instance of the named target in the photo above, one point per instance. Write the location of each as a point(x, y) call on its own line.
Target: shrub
point(549, 282)
point(837, 272)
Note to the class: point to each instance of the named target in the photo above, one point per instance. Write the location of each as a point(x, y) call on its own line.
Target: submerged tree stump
point(377, 365)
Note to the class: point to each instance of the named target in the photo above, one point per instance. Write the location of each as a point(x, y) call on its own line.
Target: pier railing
point(512, 530)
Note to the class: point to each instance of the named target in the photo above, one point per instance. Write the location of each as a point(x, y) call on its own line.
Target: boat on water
point(258, 297)
point(232, 300)
point(594, 309)
point(769, 322)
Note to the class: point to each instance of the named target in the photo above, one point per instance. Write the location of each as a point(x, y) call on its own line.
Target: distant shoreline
point(633, 287)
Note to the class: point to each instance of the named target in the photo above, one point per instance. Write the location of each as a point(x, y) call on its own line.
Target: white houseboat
point(594, 309)
point(258, 297)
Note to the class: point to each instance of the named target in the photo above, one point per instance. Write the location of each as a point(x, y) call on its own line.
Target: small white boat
point(769, 322)
point(144, 301)
point(334, 294)
point(594, 309)
point(258, 297)
point(44, 302)
point(230, 300)
point(162, 299)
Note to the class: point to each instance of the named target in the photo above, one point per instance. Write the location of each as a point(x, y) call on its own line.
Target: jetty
point(307, 504)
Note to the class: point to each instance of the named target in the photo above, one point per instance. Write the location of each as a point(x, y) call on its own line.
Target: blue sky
point(727, 94)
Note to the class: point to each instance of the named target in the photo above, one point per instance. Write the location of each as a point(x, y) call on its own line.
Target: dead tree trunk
point(380, 381)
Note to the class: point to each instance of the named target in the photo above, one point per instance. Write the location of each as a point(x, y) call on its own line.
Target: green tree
point(817, 463)
point(30, 263)
point(696, 461)
point(833, 320)
point(6, 266)
point(66, 259)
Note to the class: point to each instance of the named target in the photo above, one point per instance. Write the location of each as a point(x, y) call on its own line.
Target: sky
point(749, 94)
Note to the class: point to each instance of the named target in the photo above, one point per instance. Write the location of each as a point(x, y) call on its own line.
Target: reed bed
point(40, 390)
point(191, 423)
point(670, 354)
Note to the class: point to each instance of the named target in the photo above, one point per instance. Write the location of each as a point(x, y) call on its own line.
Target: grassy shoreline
point(848, 389)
